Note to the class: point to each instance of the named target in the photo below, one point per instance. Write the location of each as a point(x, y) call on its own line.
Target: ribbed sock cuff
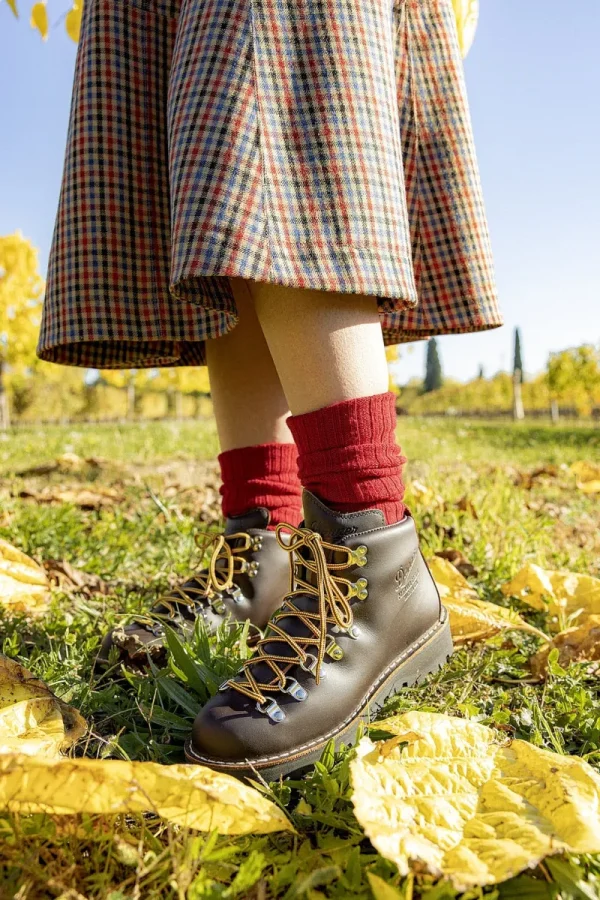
point(349, 457)
point(262, 475)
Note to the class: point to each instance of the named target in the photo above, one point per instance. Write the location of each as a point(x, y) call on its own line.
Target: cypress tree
point(433, 368)
point(518, 363)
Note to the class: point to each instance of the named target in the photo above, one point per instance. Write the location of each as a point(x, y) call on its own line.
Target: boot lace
point(209, 584)
point(333, 594)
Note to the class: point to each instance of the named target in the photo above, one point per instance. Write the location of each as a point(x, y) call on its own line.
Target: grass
point(166, 477)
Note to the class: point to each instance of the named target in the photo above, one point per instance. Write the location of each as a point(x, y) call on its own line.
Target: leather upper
point(401, 606)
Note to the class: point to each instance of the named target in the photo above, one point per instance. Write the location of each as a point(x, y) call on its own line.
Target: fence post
point(518, 411)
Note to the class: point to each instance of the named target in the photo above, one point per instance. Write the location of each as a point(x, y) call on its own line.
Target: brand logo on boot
point(407, 578)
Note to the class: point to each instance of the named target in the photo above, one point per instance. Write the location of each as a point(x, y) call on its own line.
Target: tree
point(433, 368)
point(39, 18)
point(481, 373)
point(574, 377)
point(21, 290)
point(518, 370)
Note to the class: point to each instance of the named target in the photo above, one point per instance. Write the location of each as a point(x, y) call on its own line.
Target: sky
point(533, 76)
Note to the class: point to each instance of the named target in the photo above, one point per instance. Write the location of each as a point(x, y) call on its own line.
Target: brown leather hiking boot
point(364, 620)
point(246, 577)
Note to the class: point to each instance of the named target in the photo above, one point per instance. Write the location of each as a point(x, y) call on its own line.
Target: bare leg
point(327, 347)
point(249, 402)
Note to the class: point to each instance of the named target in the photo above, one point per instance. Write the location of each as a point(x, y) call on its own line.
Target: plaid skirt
point(311, 143)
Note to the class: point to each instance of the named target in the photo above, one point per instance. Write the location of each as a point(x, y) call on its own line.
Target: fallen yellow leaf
point(472, 619)
point(32, 719)
point(24, 586)
point(424, 494)
point(579, 644)
point(13, 6)
point(587, 476)
point(35, 726)
point(557, 591)
point(39, 19)
point(445, 794)
point(189, 796)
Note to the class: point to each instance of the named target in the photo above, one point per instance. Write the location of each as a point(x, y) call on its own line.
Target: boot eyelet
point(295, 690)
point(353, 632)
point(253, 569)
point(272, 709)
point(358, 556)
point(311, 666)
point(236, 594)
point(256, 544)
point(334, 650)
point(359, 589)
point(218, 606)
point(224, 686)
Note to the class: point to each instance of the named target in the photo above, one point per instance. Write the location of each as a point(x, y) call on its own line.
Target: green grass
point(166, 475)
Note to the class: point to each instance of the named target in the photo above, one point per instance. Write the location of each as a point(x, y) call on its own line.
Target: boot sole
point(418, 661)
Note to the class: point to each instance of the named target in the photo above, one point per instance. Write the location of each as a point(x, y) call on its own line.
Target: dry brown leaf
point(458, 560)
point(85, 498)
point(444, 794)
point(579, 644)
point(68, 578)
point(560, 592)
point(587, 476)
point(70, 464)
point(472, 619)
point(33, 720)
point(465, 504)
point(24, 586)
point(189, 796)
point(527, 479)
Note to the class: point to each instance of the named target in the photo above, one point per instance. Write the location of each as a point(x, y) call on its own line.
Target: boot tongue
point(254, 518)
point(333, 525)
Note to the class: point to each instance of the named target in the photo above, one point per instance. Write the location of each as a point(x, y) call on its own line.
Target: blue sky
point(534, 82)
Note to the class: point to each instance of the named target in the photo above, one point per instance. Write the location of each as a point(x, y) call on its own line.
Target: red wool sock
point(262, 475)
point(348, 455)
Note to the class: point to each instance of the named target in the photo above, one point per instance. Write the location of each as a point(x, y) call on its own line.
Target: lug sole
point(425, 659)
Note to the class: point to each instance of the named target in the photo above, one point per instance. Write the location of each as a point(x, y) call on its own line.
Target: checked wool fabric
point(311, 143)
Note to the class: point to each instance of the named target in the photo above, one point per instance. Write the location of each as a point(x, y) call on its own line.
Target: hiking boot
point(246, 577)
point(363, 621)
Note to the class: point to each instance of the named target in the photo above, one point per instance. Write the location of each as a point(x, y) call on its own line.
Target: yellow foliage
point(21, 290)
point(13, 6)
point(472, 619)
point(32, 720)
point(444, 794)
point(561, 592)
point(24, 586)
point(39, 18)
point(467, 14)
point(73, 21)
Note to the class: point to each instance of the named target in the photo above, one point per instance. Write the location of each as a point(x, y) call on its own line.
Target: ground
point(500, 494)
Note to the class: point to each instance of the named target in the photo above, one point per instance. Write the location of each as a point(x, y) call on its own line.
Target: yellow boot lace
point(333, 594)
point(209, 584)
